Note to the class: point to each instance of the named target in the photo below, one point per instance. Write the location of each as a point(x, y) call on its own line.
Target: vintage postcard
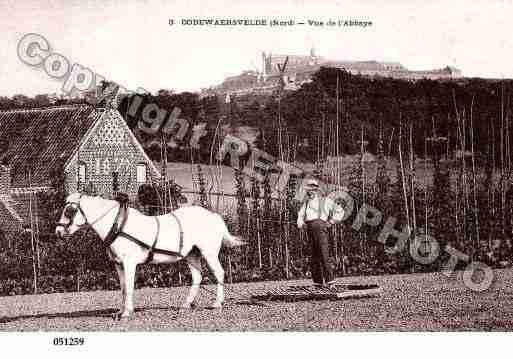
point(254, 166)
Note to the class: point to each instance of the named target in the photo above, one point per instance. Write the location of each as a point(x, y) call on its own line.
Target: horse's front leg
point(121, 275)
point(129, 279)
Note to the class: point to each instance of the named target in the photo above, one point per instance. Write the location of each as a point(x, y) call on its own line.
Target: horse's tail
point(233, 241)
point(230, 240)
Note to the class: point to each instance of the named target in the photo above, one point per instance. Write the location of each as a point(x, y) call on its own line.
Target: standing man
point(318, 213)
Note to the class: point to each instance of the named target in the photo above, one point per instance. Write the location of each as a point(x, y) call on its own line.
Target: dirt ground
point(417, 302)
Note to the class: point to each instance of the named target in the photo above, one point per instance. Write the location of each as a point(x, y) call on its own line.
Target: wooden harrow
point(311, 292)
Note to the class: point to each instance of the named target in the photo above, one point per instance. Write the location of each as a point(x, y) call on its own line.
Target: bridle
point(71, 210)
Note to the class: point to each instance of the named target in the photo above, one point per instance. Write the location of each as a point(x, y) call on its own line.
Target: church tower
point(266, 65)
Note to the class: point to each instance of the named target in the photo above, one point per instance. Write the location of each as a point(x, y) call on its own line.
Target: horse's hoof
point(125, 319)
point(121, 315)
point(217, 305)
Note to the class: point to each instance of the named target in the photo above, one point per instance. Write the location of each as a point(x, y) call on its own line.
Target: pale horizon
point(132, 43)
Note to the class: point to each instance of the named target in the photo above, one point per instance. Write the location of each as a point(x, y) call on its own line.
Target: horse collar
point(118, 224)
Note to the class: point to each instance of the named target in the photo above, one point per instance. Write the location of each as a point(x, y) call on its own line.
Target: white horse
point(197, 226)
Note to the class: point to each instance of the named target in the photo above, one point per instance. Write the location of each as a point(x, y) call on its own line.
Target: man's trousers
point(321, 268)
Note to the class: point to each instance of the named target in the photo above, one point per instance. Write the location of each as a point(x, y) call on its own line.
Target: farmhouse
point(83, 144)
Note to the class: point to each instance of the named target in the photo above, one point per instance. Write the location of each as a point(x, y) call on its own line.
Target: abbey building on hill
point(299, 69)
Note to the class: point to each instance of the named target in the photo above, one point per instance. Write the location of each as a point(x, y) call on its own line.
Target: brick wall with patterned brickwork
point(109, 147)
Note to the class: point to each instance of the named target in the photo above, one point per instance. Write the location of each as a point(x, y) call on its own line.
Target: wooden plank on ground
point(298, 293)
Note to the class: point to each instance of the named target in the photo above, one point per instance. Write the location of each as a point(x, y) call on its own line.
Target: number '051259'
point(68, 341)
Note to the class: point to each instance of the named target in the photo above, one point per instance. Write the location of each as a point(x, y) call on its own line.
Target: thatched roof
point(36, 140)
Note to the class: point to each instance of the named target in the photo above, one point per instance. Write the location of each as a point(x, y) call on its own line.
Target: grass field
point(221, 179)
point(419, 302)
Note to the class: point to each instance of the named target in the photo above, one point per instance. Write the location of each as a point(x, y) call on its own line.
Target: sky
point(132, 43)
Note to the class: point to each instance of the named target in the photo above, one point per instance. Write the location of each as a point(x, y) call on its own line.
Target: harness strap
point(147, 246)
point(180, 245)
point(152, 248)
point(133, 239)
point(116, 232)
point(117, 226)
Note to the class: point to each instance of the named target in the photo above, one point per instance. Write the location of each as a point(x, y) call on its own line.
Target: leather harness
point(116, 231)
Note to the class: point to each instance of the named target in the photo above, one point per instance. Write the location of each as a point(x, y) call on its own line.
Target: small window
point(141, 173)
point(81, 173)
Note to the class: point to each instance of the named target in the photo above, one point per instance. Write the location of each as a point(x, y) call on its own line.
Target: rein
point(101, 217)
point(79, 208)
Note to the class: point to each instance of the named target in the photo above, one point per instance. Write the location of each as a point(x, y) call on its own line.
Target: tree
point(152, 196)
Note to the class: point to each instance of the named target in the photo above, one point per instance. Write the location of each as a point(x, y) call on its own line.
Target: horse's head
point(72, 217)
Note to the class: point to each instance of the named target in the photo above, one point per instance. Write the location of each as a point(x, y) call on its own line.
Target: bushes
point(58, 284)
